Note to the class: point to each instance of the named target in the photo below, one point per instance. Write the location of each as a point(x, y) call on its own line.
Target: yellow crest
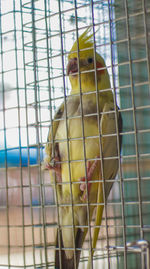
point(84, 41)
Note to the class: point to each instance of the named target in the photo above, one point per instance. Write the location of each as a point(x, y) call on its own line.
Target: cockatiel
point(82, 151)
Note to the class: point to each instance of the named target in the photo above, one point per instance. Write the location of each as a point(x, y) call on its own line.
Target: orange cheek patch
point(99, 65)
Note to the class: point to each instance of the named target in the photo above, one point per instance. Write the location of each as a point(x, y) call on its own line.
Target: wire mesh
point(36, 37)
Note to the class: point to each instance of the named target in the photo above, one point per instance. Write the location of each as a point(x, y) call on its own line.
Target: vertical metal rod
point(37, 126)
point(40, 153)
point(83, 135)
point(53, 139)
point(66, 123)
point(27, 128)
point(52, 88)
point(118, 143)
point(19, 130)
point(135, 125)
point(100, 136)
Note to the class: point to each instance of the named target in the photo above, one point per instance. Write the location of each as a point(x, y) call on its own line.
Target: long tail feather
point(98, 219)
point(61, 261)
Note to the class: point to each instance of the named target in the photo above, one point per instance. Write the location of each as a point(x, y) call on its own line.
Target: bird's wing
point(109, 167)
point(50, 146)
point(64, 110)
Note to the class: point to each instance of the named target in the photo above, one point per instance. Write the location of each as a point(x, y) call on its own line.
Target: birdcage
point(36, 37)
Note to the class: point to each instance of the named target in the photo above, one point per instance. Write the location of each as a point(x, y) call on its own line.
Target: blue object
point(23, 157)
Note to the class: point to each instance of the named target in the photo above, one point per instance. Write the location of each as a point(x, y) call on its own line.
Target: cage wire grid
point(36, 37)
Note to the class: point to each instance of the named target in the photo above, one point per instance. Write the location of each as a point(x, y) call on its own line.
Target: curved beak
point(72, 66)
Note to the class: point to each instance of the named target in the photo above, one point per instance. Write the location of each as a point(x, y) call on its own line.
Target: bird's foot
point(56, 167)
point(90, 170)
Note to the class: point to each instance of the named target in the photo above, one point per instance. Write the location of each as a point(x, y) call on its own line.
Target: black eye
point(90, 60)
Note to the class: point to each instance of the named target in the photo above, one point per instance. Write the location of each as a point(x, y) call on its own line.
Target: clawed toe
point(56, 167)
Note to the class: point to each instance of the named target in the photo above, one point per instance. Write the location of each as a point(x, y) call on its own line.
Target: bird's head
point(84, 62)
